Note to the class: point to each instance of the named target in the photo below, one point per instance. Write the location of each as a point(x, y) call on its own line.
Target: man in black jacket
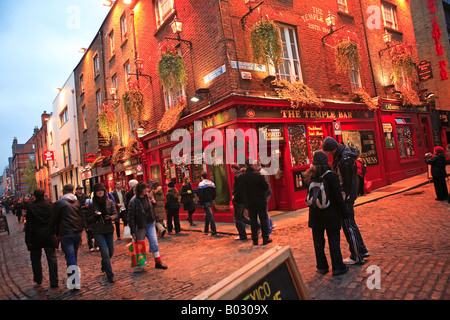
point(255, 190)
point(344, 164)
point(38, 236)
point(68, 223)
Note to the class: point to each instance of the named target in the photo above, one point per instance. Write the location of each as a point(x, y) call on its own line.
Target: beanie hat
point(320, 158)
point(99, 186)
point(133, 183)
point(329, 144)
point(438, 149)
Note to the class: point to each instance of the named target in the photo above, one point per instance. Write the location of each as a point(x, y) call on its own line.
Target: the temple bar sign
point(272, 276)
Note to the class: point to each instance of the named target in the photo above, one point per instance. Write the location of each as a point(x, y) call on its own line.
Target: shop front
point(408, 135)
point(283, 139)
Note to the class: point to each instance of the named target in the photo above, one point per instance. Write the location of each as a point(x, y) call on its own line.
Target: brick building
point(233, 92)
point(22, 154)
point(432, 24)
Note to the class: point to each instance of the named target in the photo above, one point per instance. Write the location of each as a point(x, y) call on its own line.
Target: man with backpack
point(344, 164)
point(206, 196)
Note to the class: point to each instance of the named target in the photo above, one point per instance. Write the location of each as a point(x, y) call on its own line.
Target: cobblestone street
point(407, 235)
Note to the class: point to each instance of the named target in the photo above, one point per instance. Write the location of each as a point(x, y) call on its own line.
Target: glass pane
point(298, 145)
point(409, 141)
point(401, 142)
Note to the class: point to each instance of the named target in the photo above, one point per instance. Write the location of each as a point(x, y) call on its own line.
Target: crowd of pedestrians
point(147, 212)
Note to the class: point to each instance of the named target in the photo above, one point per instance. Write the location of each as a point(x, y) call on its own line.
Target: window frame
point(67, 158)
point(342, 6)
point(285, 29)
point(112, 44)
point(99, 100)
point(96, 64)
point(123, 27)
point(387, 7)
point(161, 16)
point(63, 116)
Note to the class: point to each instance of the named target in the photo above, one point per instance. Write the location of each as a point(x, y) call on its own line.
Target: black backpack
point(318, 194)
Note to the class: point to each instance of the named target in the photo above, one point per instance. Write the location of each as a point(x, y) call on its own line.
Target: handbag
point(138, 254)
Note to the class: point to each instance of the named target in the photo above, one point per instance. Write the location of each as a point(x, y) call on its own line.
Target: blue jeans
point(209, 218)
point(69, 245)
point(105, 243)
point(150, 233)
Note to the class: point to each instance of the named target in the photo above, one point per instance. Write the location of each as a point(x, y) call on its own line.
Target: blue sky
point(40, 42)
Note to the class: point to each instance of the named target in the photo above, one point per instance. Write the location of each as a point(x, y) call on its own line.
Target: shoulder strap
point(326, 172)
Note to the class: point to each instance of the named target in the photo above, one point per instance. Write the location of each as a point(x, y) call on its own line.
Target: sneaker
point(239, 238)
point(160, 265)
point(91, 249)
point(365, 255)
point(350, 261)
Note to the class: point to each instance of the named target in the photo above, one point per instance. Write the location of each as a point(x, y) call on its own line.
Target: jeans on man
point(36, 265)
point(209, 218)
point(106, 245)
point(255, 211)
point(69, 245)
point(239, 219)
point(150, 233)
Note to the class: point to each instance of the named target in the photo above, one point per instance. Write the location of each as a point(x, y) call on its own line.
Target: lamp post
point(330, 20)
point(177, 28)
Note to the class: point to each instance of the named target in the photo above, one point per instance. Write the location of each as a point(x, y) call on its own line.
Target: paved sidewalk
point(406, 231)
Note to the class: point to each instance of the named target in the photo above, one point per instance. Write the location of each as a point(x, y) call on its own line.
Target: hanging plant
point(346, 56)
point(131, 149)
point(133, 102)
point(171, 70)
point(299, 94)
point(266, 43)
point(360, 95)
point(409, 98)
point(117, 154)
point(402, 64)
point(170, 118)
point(107, 123)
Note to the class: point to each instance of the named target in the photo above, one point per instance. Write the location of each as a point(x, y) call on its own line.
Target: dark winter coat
point(344, 164)
point(38, 233)
point(437, 162)
point(238, 189)
point(255, 187)
point(66, 216)
point(101, 224)
point(187, 199)
point(138, 217)
point(329, 218)
point(172, 199)
point(206, 191)
point(160, 211)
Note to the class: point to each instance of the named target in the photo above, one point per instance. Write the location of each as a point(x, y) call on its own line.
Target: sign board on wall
point(49, 156)
point(272, 276)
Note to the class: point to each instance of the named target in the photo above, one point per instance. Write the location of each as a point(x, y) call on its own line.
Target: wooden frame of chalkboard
point(272, 276)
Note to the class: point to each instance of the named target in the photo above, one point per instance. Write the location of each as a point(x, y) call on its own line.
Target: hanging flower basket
point(131, 149)
point(402, 64)
point(170, 118)
point(360, 95)
point(299, 94)
point(346, 56)
point(266, 43)
point(107, 123)
point(171, 70)
point(409, 98)
point(133, 102)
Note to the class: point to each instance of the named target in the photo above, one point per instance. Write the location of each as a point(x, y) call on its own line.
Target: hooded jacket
point(437, 162)
point(206, 191)
point(344, 164)
point(66, 216)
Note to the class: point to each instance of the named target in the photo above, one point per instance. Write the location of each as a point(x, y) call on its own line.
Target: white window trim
point(393, 9)
point(342, 5)
point(162, 16)
point(289, 52)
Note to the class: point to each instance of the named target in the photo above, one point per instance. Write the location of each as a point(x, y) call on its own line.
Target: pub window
point(154, 171)
point(298, 145)
point(173, 97)
point(289, 69)
point(66, 153)
point(389, 15)
point(98, 96)
point(123, 27)
point(63, 117)
point(404, 128)
point(112, 44)
point(81, 84)
point(96, 63)
point(83, 111)
point(115, 84)
point(355, 79)
point(127, 71)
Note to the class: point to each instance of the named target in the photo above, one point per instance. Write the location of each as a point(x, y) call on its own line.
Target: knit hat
point(99, 186)
point(438, 149)
point(133, 183)
point(329, 144)
point(320, 158)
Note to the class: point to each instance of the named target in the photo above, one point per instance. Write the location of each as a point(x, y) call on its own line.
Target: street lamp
point(387, 37)
point(177, 28)
point(330, 21)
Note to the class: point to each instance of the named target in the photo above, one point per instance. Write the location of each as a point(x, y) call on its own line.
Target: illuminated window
point(389, 15)
point(342, 5)
point(405, 137)
point(112, 44)
point(163, 9)
point(123, 27)
point(83, 111)
point(289, 69)
point(355, 79)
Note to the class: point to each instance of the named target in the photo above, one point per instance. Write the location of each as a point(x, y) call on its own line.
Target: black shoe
point(255, 242)
point(163, 233)
point(322, 271)
point(338, 272)
point(159, 265)
point(111, 280)
point(54, 285)
point(267, 241)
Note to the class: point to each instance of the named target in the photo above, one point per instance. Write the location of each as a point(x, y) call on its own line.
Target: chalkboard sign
point(4, 224)
point(272, 276)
